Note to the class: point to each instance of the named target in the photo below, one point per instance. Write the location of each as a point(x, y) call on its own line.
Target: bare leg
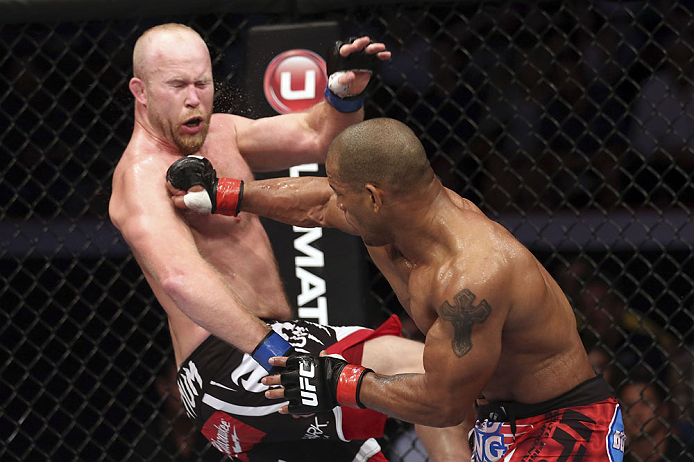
point(447, 444)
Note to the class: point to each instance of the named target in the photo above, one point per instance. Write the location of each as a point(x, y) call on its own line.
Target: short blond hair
point(148, 36)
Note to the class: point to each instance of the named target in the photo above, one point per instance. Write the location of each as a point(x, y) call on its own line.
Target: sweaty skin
point(497, 326)
point(211, 274)
point(215, 274)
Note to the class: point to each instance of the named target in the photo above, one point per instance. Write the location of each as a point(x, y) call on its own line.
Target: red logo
point(295, 81)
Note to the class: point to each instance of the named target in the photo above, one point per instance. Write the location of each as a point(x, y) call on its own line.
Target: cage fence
point(571, 123)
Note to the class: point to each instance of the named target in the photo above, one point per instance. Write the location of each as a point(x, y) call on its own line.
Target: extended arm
point(182, 278)
point(306, 201)
point(276, 143)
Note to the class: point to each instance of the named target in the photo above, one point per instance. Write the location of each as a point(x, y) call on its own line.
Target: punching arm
point(306, 201)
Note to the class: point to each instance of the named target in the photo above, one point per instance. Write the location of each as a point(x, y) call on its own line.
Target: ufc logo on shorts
point(308, 391)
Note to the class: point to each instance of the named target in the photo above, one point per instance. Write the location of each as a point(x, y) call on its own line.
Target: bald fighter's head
point(173, 86)
point(375, 168)
point(159, 42)
point(383, 152)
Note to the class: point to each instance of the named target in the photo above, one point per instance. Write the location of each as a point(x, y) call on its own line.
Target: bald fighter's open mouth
point(193, 122)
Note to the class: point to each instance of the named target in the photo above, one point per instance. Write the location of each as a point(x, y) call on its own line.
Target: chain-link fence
point(571, 123)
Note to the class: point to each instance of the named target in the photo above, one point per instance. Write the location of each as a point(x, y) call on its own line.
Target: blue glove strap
point(352, 104)
point(272, 345)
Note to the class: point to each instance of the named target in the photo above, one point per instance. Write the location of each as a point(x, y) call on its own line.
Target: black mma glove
point(315, 384)
point(221, 195)
point(336, 94)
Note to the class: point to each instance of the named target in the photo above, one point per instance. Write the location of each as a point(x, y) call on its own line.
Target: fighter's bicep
point(275, 143)
point(149, 222)
point(466, 317)
point(466, 338)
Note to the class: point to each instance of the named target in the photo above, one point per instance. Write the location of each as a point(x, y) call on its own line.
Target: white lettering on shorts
point(315, 431)
point(619, 441)
point(489, 442)
point(188, 378)
point(248, 375)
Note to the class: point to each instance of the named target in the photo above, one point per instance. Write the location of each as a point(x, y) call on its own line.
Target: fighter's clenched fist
point(216, 195)
point(315, 384)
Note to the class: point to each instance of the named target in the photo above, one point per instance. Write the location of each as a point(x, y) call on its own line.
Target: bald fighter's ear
point(137, 88)
point(376, 196)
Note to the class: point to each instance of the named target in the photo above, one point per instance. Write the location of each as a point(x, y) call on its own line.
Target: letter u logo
point(308, 92)
point(309, 399)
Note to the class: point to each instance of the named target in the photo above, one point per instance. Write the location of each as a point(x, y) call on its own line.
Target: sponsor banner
point(324, 270)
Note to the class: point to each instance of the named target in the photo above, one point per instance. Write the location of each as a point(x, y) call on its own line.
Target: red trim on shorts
point(348, 346)
point(379, 457)
point(361, 424)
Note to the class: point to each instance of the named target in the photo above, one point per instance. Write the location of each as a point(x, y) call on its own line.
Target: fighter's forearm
point(327, 122)
point(408, 397)
point(302, 201)
point(206, 299)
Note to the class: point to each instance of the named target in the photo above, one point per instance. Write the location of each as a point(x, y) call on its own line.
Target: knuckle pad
point(190, 171)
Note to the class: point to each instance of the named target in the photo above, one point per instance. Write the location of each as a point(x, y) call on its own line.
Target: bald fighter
point(216, 276)
point(501, 338)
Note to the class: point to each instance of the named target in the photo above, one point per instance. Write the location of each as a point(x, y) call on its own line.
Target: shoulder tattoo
point(463, 314)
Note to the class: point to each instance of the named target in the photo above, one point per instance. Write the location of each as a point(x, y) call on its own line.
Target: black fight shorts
point(221, 391)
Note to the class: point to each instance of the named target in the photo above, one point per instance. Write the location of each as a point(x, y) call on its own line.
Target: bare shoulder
point(225, 121)
point(138, 175)
point(228, 125)
point(134, 166)
point(487, 262)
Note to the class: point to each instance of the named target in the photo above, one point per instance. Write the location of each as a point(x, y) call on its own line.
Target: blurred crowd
point(649, 363)
point(564, 106)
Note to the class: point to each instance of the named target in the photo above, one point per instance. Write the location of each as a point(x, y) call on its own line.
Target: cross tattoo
point(463, 314)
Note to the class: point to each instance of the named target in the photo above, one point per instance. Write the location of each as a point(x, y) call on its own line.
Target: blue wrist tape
point(349, 104)
point(272, 345)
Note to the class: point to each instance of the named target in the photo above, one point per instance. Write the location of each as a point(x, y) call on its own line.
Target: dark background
point(571, 123)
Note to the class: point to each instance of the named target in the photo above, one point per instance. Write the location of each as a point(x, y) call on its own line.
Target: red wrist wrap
point(229, 193)
point(348, 385)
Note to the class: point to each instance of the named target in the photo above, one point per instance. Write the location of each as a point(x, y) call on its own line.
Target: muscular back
point(491, 307)
point(237, 248)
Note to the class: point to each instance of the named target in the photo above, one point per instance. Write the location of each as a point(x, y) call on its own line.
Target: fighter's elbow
point(174, 283)
point(313, 146)
point(447, 416)
point(448, 409)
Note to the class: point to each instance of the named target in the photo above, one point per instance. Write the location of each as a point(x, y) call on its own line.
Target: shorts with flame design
point(582, 425)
